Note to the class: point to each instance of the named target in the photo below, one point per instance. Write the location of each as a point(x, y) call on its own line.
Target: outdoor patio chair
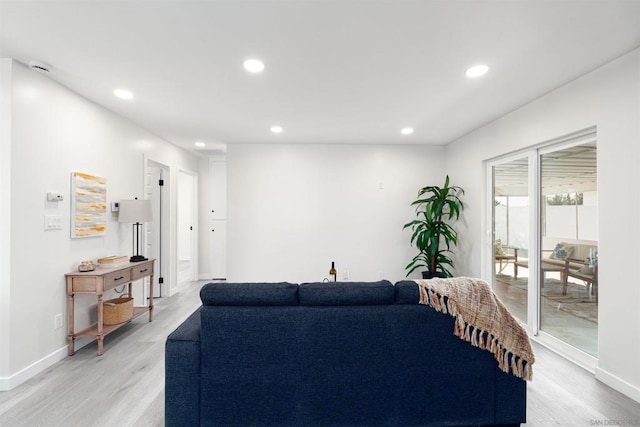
point(503, 257)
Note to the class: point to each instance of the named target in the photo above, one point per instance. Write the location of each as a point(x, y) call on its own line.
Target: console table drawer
point(116, 278)
point(83, 284)
point(141, 271)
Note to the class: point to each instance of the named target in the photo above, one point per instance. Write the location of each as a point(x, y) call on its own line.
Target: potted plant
point(434, 236)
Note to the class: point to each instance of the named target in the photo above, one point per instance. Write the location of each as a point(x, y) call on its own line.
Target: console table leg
point(100, 336)
point(150, 297)
point(72, 341)
point(70, 325)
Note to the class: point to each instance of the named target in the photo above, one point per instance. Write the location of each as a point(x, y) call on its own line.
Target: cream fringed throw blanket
point(482, 320)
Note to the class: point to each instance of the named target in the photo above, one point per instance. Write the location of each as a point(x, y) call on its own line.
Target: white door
point(186, 228)
point(218, 218)
point(218, 249)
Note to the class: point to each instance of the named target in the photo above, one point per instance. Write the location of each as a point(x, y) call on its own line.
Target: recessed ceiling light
point(199, 144)
point(123, 94)
point(477, 71)
point(253, 65)
point(276, 129)
point(42, 67)
point(407, 131)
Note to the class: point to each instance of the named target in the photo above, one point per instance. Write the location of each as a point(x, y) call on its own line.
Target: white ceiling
point(342, 71)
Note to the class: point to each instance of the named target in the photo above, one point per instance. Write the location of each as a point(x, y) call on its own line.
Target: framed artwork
point(88, 205)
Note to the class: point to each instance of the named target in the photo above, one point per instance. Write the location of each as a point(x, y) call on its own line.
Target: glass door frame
point(533, 295)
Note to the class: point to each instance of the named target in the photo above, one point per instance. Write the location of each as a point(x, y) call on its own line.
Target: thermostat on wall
point(54, 197)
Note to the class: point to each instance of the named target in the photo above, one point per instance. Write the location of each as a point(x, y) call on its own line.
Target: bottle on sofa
point(333, 272)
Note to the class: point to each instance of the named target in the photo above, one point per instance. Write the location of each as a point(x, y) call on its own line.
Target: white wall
point(185, 216)
point(292, 209)
point(608, 98)
point(5, 213)
point(53, 133)
point(204, 209)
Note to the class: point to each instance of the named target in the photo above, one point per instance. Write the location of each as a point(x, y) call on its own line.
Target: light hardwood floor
point(125, 386)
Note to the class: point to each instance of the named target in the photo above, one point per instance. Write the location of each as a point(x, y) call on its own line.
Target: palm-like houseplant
point(433, 234)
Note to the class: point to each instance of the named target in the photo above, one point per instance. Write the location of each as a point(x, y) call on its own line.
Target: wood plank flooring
point(125, 386)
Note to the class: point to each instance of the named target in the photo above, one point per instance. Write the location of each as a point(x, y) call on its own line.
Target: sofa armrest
point(573, 267)
point(182, 374)
point(509, 388)
point(570, 261)
point(513, 248)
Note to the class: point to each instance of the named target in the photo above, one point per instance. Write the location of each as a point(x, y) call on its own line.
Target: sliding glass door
point(569, 245)
point(511, 234)
point(544, 229)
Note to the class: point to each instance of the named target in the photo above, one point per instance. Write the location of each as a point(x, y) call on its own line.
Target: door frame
point(533, 296)
point(193, 244)
point(163, 266)
point(533, 153)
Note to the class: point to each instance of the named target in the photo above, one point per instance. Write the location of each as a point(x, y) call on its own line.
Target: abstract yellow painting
point(88, 205)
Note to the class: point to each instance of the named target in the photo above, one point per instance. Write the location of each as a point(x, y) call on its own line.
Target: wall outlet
point(57, 321)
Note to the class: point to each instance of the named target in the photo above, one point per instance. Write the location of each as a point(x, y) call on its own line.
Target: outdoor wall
point(608, 98)
point(55, 132)
point(292, 209)
point(571, 222)
point(568, 222)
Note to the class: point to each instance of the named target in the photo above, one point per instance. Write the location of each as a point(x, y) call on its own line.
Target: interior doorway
point(186, 227)
point(157, 232)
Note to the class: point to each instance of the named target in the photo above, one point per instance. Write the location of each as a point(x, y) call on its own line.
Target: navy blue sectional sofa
point(330, 354)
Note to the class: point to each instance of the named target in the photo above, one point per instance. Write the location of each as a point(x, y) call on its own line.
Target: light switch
point(53, 222)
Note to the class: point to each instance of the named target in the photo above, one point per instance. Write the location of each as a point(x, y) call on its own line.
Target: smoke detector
point(42, 67)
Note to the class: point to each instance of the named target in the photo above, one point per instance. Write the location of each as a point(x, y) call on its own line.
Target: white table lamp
point(135, 212)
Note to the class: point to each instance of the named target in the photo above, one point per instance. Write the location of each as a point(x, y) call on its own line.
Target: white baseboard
point(7, 383)
point(25, 374)
point(618, 384)
point(588, 363)
point(208, 276)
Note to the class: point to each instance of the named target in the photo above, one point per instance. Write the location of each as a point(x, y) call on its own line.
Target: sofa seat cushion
point(346, 293)
point(249, 294)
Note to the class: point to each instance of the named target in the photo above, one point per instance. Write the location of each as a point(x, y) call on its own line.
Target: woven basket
point(117, 310)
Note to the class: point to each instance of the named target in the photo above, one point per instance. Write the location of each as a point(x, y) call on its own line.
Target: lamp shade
point(135, 211)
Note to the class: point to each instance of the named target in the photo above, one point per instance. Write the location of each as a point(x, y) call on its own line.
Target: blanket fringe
point(507, 361)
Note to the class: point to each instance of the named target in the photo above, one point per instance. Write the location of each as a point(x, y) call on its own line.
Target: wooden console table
point(97, 282)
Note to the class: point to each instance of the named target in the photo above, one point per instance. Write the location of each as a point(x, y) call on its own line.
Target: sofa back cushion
point(407, 292)
point(562, 250)
point(346, 293)
point(249, 294)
